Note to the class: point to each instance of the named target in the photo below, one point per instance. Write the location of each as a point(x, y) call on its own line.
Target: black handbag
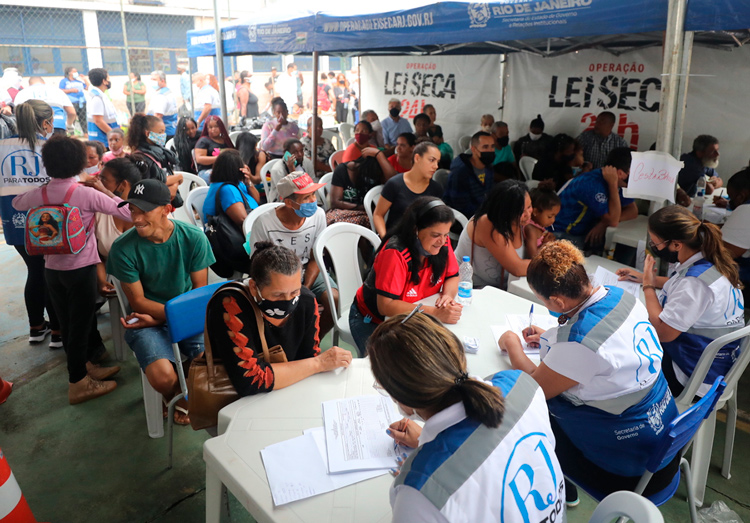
point(227, 241)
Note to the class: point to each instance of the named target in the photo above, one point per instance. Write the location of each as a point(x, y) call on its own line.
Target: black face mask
point(279, 309)
point(664, 253)
point(108, 84)
point(394, 112)
point(487, 158)
point(502, 142)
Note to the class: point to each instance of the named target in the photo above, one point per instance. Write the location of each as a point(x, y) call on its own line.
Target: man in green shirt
point(157, 260)
point(503, 150)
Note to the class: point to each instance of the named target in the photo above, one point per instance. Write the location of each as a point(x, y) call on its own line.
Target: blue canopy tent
point(544, 27)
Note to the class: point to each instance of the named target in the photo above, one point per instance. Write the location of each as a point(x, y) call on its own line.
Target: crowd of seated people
point(591, 384)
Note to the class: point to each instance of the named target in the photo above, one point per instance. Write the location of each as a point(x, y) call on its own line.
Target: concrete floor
point(95, 462)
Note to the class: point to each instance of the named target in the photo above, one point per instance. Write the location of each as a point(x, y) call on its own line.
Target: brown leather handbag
point(209, 387)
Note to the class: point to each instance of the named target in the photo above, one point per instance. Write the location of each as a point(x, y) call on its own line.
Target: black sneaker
point(38, 335)
point(571, 494)
point(55, 342)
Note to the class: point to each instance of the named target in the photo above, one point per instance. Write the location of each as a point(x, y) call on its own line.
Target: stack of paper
point(352, 447)
point(604, 277)
point(517, 323)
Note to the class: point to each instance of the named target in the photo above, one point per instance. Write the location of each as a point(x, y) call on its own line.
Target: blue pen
point(531, 316)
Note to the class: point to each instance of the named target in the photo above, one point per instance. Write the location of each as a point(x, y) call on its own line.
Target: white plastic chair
point(335, 159)
point(441, 177)
point(194, 204)
point(626, 504)
point(371, 201)
point(334, 138)
point(704, 438)
point(152, 400)
point(464, 142)
point(170, 146)
point(325, 190)
point(234, 134)
point(265, 174)
point(247, 225)
point(460, 218)
point(532, 184)
point(190, 181)
point(526, 164)
point(349, 142)
point(347, 131)
point(341, 240)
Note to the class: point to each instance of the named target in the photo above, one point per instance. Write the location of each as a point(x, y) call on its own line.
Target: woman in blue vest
point(601, 372)
point(100, 112)
point(486, 452)
point(699, 302)
point(35, 120)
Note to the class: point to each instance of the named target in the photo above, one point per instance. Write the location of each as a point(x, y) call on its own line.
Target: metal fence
point(44, 41)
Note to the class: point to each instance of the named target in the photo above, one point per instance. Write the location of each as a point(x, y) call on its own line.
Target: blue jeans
point(361, 330)
point(205, 174)
point(153, 343)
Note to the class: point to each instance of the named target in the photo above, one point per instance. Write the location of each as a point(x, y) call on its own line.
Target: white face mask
point(49, 135)
point(92, 170)
point(534, 137)
point(376, 125)
point(413, 416)
point(486, 128)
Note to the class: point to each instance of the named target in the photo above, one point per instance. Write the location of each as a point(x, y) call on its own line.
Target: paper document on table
point(296, 469)
point(604, 277)
point(355, 433)
point(520, 322)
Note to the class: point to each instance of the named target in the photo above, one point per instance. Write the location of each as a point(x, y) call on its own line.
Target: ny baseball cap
point(297, 183)
point(147, 195)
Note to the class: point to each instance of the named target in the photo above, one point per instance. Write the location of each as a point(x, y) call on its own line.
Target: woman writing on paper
point(289, 317)
point(414, 261)
point(473, 431)
point(600, 370)
point(699, 302)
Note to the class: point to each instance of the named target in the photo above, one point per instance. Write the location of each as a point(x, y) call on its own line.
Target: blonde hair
point(676, 223)
point(558, 269)
point(422, 365)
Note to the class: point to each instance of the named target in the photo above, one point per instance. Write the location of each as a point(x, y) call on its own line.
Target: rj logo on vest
point(531, 486)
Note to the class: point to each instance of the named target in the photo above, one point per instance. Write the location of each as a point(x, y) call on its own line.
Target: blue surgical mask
point(306, 210)
point(158, 138)
point(155, 86)
point(576, 171)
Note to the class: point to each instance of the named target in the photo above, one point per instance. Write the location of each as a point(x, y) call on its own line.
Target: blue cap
point(466, 259)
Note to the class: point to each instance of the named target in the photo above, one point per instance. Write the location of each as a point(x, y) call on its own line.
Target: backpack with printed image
point(55, 229)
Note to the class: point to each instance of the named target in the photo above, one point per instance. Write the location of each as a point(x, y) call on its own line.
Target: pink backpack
point(55, 229)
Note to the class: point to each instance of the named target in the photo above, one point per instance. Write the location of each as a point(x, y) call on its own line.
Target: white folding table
point(253, 423)
point(520, 286)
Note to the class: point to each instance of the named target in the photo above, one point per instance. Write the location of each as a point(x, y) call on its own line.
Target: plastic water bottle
point(465, 282)
point(700, 197)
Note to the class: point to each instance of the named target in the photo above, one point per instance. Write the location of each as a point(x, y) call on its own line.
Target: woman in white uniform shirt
point(699, 302)
point(486, 452)
point(601, 372)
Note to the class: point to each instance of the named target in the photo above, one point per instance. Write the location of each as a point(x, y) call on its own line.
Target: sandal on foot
point(180, 414)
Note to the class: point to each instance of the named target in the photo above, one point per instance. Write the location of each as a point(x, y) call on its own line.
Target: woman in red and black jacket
point(290, 316)
point(414, 261)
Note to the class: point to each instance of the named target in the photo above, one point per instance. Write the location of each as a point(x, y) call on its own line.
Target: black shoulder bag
point(227, 240)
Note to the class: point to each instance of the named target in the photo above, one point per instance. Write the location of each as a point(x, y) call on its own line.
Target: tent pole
point(673, 48)
point(687, 56)
point(127, 59)
point(314, 121)
point(220, 64)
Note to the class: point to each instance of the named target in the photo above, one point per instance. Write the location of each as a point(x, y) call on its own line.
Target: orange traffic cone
point(13, 506)
point(6, 388)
